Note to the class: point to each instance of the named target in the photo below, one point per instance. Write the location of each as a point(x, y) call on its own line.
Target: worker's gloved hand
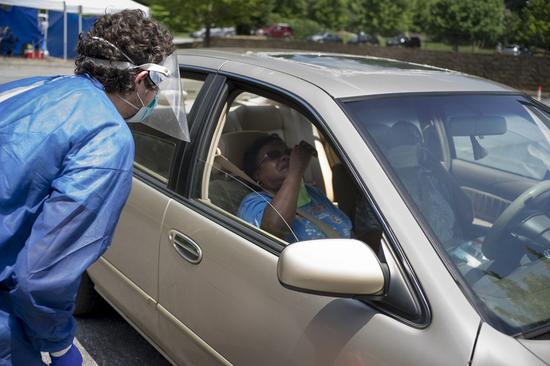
point(71, 358)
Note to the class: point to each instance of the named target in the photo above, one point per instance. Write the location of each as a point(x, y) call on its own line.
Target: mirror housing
point(335, 267)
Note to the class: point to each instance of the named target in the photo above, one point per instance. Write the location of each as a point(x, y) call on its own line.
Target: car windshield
point(474, 169)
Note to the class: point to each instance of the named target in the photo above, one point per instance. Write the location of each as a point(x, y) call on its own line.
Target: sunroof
point(350, 63)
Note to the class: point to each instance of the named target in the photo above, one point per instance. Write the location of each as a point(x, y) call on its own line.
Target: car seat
point(443, 204)
point(228, 183)
point(288, 124)
point(346, 192)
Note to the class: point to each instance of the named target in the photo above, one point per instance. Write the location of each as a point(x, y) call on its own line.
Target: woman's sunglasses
point(274, 155)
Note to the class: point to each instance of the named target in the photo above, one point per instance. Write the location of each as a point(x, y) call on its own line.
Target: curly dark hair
point(141, 38)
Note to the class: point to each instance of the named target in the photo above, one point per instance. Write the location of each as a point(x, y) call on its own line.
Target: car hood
point(491, 343)
point(541, 348)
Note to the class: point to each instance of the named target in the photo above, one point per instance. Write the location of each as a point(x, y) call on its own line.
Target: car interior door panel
point(491, 190)
point(487, 207)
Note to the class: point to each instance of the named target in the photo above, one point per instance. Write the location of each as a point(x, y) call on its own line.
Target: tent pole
point(46, 52)
point(64, 30)
point(80, 19)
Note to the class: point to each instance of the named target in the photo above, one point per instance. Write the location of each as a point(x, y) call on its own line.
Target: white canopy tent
point(80, 7)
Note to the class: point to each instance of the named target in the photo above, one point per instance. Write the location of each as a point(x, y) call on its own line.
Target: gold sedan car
point(337, 210)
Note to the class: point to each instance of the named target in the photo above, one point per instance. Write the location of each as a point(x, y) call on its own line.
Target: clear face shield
point(169, 116)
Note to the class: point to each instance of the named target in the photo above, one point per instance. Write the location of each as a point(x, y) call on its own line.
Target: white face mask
point(143, 112)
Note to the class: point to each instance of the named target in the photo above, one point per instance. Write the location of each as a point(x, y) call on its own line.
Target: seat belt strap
point(224, 164)
point(325, 228)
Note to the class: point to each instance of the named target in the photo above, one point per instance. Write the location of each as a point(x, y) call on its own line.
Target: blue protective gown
point(65, 172)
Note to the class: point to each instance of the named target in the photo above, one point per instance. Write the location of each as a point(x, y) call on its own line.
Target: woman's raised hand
point(301, 155)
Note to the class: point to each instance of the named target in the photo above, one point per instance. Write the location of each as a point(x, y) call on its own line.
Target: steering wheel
point(517, 210)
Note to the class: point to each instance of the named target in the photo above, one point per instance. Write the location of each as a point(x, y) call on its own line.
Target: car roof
point(342, 75)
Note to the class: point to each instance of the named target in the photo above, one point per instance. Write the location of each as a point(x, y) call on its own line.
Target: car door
point(220, 301)
point(127, 274)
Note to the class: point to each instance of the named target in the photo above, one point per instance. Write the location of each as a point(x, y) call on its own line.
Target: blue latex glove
point(71, 358)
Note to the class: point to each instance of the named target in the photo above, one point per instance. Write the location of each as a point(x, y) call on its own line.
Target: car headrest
point(377, 130)
point(258, 117)
point(403, 145)
point(263, 118)
point(234, 144)
point(403, 133)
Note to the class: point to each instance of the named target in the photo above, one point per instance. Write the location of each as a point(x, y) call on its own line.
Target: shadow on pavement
point(111, 341)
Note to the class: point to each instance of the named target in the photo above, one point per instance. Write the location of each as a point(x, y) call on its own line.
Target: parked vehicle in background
point(217, 32)
point(277, 30)
point(325, 37)
point(404, 41)
point(364, 38)
point(514, 50)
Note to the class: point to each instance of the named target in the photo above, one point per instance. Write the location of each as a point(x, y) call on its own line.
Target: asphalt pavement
point(109, 340)
point(106, 339)
point(14, 68)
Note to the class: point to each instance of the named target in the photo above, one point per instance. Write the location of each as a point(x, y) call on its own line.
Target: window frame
point(232, 95)
point(235, 85)
point(140, 169)
point(168, 187)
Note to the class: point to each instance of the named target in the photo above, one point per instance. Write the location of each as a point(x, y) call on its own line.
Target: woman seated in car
point(288, 208)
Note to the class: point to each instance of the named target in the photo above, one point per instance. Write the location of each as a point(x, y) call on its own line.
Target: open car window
point(154, 150)
point(327, 203)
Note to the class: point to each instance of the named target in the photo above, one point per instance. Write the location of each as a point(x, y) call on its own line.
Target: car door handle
point(185, 247)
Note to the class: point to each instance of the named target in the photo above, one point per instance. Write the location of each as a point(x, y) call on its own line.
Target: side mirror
point(336, 267)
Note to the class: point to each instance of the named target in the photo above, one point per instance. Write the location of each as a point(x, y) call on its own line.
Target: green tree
point(513, 27)
point(302, 27)
point(468, 21)
point(387, 17)
point(176, 22)
point(290, 8)
point(536, 15)
point(356, 16)
point(420, 15)
point(515, 6)
point(209, 13)
point(330, 13)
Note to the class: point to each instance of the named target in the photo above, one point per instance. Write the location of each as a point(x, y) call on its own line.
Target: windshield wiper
point(538, 332)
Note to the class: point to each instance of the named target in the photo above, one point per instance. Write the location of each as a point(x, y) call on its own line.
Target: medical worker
point(66, 156)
